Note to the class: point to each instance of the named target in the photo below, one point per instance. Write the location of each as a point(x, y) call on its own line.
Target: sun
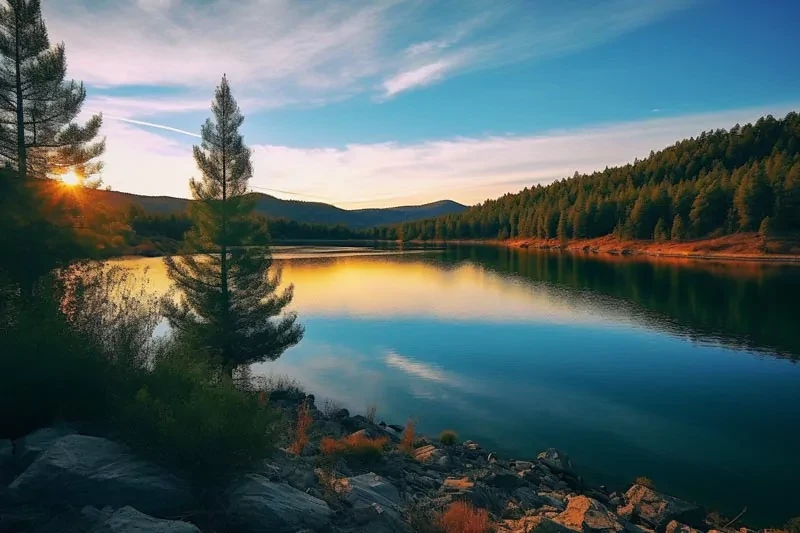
point(71, 178)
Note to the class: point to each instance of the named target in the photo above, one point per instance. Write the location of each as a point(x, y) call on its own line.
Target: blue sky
point(362, 103)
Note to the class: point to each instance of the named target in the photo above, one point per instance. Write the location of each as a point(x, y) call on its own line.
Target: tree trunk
point(21, 151)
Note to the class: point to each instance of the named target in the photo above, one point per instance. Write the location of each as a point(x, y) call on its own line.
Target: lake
point(681, 371)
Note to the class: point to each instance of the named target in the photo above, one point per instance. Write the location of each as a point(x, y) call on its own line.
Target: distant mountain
point(308, 212)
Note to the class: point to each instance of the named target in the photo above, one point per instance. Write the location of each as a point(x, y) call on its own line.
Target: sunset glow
point(71, 179)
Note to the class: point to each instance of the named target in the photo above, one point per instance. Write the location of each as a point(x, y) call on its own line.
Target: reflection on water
point(680, 371)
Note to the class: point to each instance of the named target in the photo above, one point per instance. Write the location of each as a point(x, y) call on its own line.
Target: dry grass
point(409, 435)
point(301, 429)
point(330, 407)
point(356, 445)
point(462, 517)
point(372, 410)
point(645, 482)
point(448, 437)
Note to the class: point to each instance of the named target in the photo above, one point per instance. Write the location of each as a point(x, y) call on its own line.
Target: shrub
point(301, 429)
point(461, 517)
point(372, 410)
point(793, 525)
point(645, 482)
point(448, 437)
point(409, 435)
point(186, 417)
point(356, 445)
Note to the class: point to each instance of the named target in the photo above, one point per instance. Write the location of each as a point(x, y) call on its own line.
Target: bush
point(461, 517)
point(448, 437)
point(186, 417)
point(645, 482)
point(356, 445)
point(409, 435)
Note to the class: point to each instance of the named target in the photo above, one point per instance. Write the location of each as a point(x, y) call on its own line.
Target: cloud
point(468, 170)
point(289, 51)
point(152, 125)
point(418, 369)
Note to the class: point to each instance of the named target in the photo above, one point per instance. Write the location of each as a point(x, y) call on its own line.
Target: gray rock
point(258, 505)
point(395, 427)
point(676, 527)
point(80, 470)
point(503, 480)
point(586, 515)
point(556, 460)
point(129, 520)
point(341, 414)
point(375, 503)
point(32, 445)
point(656, 510)
point(528, 499)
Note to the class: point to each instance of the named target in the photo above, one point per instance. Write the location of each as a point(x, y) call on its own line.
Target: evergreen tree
point(660, 232)
point(765, 231)
point(678, 230)
point(230, 302)
point(38, 106)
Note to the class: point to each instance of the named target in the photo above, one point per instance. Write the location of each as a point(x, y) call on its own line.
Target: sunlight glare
point(71, 178)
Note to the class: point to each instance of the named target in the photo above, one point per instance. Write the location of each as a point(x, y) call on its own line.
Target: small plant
point(355, 445)
point(409, 434)
point(372, 410)
point(793, 525)
point(448, 437)
point(462, 517)
point(301, 429)
point(645, 482)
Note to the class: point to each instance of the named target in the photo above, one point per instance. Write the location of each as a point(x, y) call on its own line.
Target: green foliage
point(765, 228)
point(660, 232)
point(721, 181)
point(678, 232)
point(42, 140)
point(448, 437)
point(229, 306)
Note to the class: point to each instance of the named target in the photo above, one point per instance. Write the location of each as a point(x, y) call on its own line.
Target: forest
point(721, 182)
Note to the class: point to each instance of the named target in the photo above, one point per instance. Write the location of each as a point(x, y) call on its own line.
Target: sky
point(374, 103)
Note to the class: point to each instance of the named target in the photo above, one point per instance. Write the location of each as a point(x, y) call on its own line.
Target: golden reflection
point(398, 286)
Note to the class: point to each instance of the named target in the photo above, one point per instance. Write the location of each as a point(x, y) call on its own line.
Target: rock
point(503, 480)
point(375, 503)
point(444, 461)
point(589, 516)
point(355, 423)
point(29, 447)
point(397, 428)
point(341, 414)
point(80, 470)
point(528, 499)
point(556, 460)
point(656, 510)
point(554, 500)
point(428, 454)
point(129, 520)
point(676, 527)
point(535, 524)
point(6, 462)
point(260, 506)
point(457, 484)
point(521, 466)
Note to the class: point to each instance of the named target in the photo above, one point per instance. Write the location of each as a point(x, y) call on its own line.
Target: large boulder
point(375, 503)
point(80, 470)
point(129, 520)
point(258, 505)
point(31, 446)
point(556, 460)
point(655, 510)
point(589, 516)
point(6, 461)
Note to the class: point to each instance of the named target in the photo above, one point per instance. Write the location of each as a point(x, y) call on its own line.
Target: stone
point(656, 510)
point(589, 516)
point(521, 466)
point(375, 503)
point(341, 414)
point(676, 527)
point(536, 524)
point(528, 499)
point(457, 484)
point(397, 428)
point(556, 460)
point(257, 505)
point(428, 454)
point(503, 480)
point(129, 520)
point(6, 461)
point(81, 470)
point(29, 447)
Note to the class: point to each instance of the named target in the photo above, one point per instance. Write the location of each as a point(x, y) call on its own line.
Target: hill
point(272, 207)
point(722, 182)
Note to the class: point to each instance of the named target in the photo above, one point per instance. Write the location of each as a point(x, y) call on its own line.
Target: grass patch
point(301, 429)
point(462, 517)
point(356, 445)
point(409, 436)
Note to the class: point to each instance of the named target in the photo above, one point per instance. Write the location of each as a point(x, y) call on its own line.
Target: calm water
point(680, 371)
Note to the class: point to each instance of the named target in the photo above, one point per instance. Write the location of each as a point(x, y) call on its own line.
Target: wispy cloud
point(152, 125)
point(288, 51)
point(468, 170)
point(418, 369)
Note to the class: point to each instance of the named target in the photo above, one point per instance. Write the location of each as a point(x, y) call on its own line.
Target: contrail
point(151, 125)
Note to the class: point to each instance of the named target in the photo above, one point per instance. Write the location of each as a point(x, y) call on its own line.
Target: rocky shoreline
point(58, 479)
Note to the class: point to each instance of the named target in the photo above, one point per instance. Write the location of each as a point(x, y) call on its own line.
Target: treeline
point(724, 181)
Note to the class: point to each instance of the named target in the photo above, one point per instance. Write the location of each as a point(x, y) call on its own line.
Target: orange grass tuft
point(409, 434)
point(301, 429)
point(461, 517)
point(357, 444)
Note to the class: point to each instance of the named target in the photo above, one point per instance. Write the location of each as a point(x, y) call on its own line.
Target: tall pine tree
point(38, 135)
point(230, 303)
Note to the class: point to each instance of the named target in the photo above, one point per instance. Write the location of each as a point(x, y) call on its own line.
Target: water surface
point(680, 371)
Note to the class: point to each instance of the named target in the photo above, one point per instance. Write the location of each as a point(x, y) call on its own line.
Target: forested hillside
point(722, 182)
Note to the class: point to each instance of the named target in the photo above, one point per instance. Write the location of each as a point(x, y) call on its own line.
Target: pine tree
point(660, 231)
point(231, 305)
point(562, 231)
point(37, 105)
point(678, 230)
